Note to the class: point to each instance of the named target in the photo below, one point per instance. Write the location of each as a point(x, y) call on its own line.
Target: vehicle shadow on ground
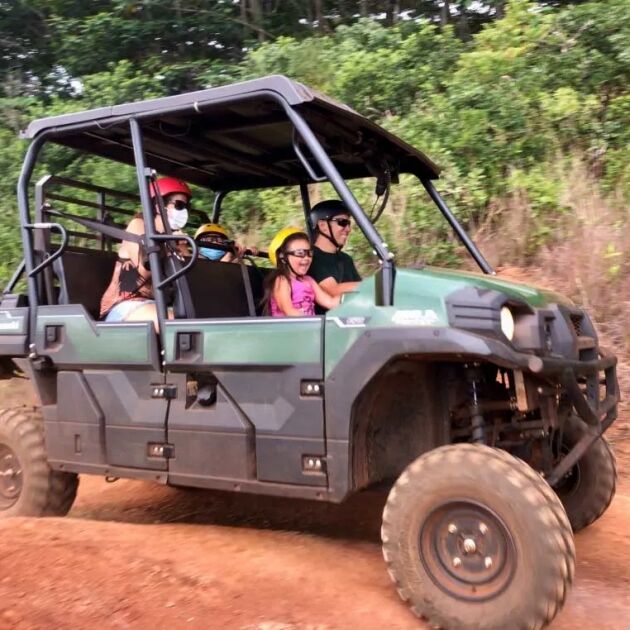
point(359, 518)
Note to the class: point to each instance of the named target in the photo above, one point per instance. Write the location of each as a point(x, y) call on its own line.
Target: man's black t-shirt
point(339, 266)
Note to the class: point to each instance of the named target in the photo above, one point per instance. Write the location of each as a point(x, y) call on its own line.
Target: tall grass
point(587, 256)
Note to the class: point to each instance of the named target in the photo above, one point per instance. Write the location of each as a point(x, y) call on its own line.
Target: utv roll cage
point(459, 394)
point(256, 134)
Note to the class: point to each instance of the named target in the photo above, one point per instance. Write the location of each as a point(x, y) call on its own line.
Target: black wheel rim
point(569, 484)
point(10, 477)
point(467, 551)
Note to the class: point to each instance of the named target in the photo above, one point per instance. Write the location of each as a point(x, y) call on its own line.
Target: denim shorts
point(122, 310)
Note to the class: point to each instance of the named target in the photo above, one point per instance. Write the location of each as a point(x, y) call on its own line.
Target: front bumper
point(593, 409)
point(596, 377)
point(598, 413)
point(556, 343)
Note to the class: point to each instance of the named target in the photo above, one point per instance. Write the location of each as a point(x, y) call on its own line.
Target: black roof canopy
point(237, 136)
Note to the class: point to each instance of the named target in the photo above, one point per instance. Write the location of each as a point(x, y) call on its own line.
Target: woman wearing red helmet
point(129, 296)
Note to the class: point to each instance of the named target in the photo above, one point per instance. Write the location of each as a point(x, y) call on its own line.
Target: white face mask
point(177, 219)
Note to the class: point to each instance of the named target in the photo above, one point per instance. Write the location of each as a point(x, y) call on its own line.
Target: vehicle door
point(253, 408)
point(108, 409)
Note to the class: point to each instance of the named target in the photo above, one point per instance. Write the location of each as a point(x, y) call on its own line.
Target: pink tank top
point(302, 297)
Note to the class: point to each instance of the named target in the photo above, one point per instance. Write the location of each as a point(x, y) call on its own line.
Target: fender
point(374, 349)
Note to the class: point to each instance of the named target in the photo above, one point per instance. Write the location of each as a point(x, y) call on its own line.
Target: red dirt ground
point(135, 555)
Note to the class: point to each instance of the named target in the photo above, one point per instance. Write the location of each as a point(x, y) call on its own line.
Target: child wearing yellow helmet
point(214, 234)
point(210, 234)
point(289, 291)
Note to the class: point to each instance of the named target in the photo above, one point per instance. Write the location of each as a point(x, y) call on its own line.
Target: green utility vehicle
point(481, 404)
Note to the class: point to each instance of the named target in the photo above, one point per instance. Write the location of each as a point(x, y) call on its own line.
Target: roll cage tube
point(369, 231)
point(15, 278)
point(216, 206)
point(144, 174)
point(332, 174)
point(27, 236)
point(484, 265)
point(311, 141)
point(306, 206)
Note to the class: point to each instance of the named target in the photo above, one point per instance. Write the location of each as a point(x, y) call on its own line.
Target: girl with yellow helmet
point(289, 291)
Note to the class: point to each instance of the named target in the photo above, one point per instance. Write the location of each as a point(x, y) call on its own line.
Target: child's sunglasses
point(300, 253)
point(213, 239)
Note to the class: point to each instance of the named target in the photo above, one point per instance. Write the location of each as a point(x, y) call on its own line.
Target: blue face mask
point(211, 253)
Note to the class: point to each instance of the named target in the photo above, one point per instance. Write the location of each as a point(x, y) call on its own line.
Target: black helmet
point(327, 210)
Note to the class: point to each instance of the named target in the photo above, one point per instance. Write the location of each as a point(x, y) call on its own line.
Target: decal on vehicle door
point(427, 317)
point(350, 322)
point(8, 322)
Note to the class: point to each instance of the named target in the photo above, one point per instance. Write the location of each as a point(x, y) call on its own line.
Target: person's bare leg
point(145, 313)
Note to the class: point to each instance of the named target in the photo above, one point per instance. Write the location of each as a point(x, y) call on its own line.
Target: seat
point(219, 289)
point(183, 306)
point(216, 289)
point(257, 277)
point(84, 275)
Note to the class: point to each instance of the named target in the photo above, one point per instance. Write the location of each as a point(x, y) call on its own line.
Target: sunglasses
point(300, 253)
point(178, 204)
point(214, 239)
point(343, 223)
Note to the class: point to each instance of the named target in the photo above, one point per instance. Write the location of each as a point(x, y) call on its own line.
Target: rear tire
point(28, 486)
point(474, 538)
point(589, 487)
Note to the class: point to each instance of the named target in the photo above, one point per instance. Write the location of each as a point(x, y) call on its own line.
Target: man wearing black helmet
point(333, 269)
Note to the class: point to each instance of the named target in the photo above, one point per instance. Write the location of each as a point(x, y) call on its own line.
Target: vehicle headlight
point(507, 323)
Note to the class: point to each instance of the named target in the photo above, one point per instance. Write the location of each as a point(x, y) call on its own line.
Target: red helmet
point(170, 185)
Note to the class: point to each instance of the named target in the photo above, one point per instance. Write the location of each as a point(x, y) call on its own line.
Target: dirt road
point(137, 555)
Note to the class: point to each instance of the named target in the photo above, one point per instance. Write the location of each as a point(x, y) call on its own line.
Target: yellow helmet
point(278, 239)
point(212, 228)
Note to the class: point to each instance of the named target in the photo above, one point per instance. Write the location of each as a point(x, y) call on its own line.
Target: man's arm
point(330, 285)
point(322, 297)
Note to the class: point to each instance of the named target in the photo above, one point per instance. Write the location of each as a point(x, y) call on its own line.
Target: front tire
point(28, 486)
point(588, 488)
point(474, 538)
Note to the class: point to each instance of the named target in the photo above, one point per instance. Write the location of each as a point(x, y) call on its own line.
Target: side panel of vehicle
point(106, 418)
point(263, 412)
point(13, 331)
point(211, 440)
point(104, 411)
point(385, 383)
point(70, 338)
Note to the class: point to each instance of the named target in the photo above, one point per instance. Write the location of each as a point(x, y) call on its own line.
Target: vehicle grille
point(576, 321)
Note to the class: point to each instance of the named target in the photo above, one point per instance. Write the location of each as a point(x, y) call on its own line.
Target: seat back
point(183, 306)
point(218, 289)
point(84, 275)
point(257, 277)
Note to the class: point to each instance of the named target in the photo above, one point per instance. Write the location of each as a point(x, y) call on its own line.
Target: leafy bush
point(505, 114)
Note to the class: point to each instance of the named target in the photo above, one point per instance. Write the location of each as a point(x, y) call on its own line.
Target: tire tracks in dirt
point(138, 555)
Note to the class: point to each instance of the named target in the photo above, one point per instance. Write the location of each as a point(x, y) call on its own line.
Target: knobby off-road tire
point(474, 538)
point(589, 487)
point(28, 486)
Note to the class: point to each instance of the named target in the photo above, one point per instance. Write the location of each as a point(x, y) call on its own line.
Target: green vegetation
point(507, 99)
